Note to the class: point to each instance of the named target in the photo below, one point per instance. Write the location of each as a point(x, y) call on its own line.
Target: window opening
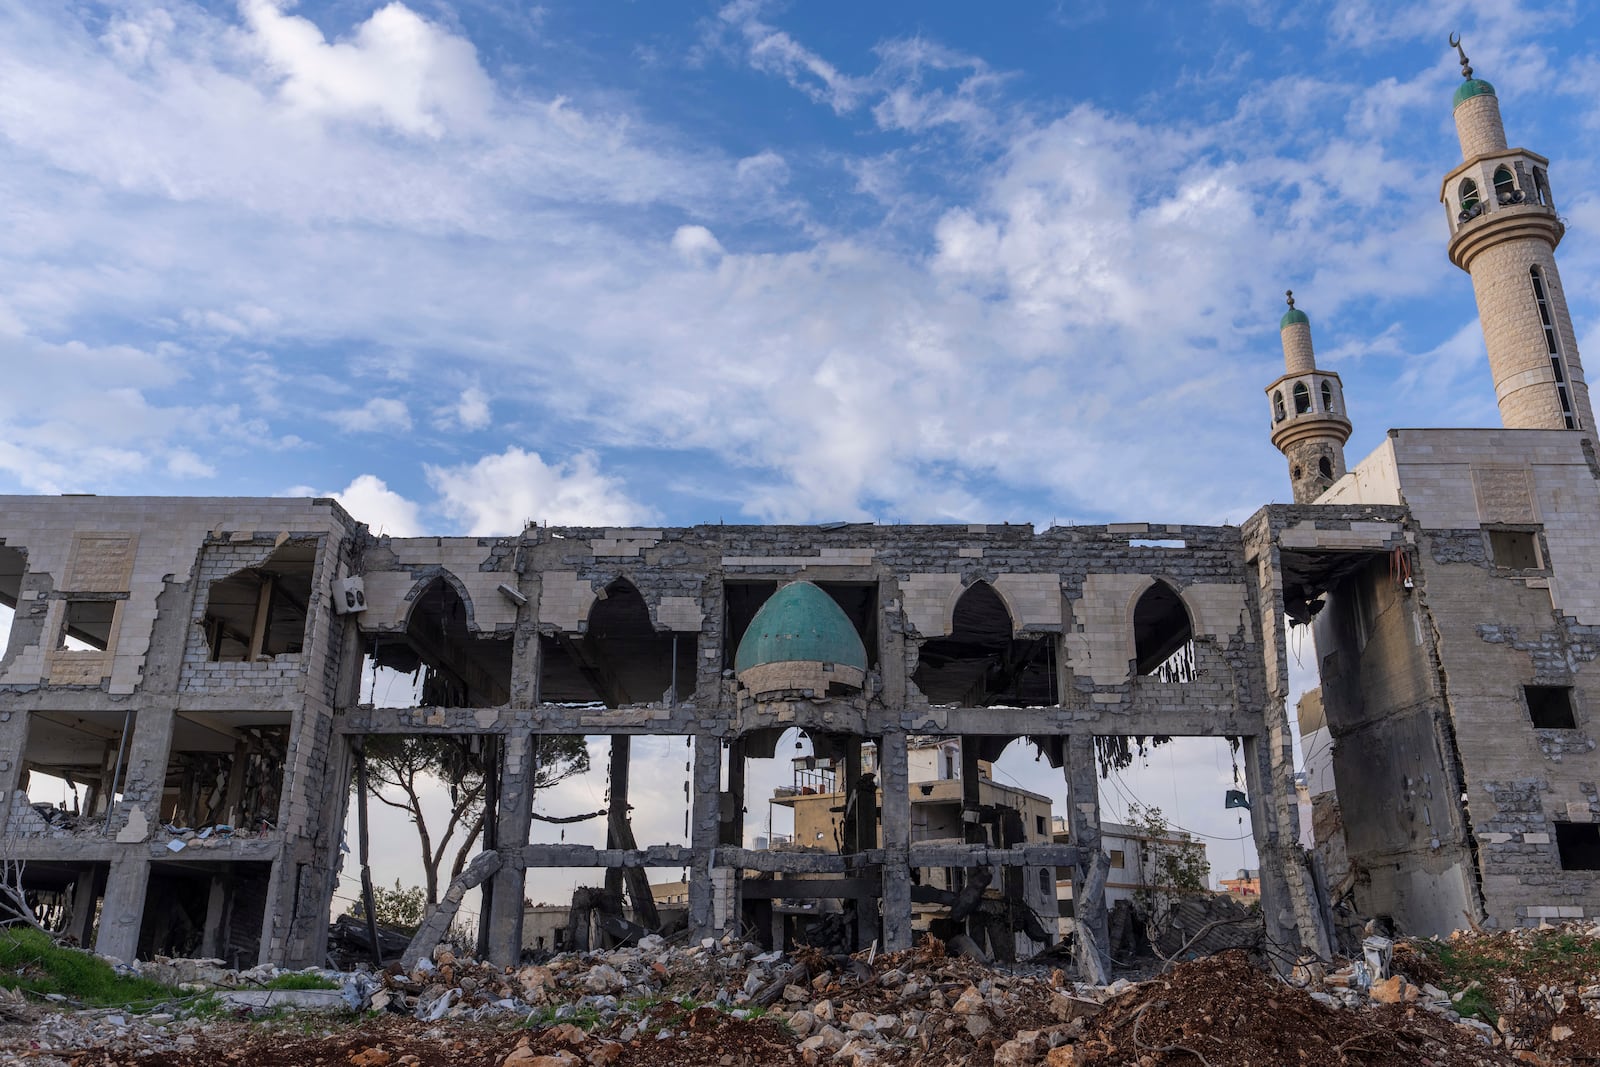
point(1327, 396)
point(1505, 187)
point(1325, 465)
point(1278, 413)
point(1550, 706)
point(1467, 192)
point(1552, 343)
point(1302, 398)
point(87, 627)
point(1578, 845)
point(1514, 549)
point(1541, 187)
point(13, 564)
point(1119, 859)
point(261, 611)
point(981, 664)
point(1163, 637)
point(458, 668)
point(621, 658)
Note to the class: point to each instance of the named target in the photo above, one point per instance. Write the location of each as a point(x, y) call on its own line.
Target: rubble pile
point(727, 1003)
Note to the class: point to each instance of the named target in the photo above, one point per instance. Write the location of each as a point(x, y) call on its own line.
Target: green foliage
point(301, 981)
point(1168, 867)
point(30, 960)
point(400, 908)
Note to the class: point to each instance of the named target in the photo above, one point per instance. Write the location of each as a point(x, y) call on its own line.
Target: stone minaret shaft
point(1504, 231)
point(1308, 422)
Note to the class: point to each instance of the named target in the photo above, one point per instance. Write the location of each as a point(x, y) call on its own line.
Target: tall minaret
point(1504, 231)
point(1308, 422)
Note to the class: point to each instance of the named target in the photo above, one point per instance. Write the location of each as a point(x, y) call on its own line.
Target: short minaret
point(1504, 231)
point(1308, 422)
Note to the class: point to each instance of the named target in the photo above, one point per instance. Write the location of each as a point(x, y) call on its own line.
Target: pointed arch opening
point(456, 667)
point(1541, 187)
point(1325, 465)
point(1163, 635)
point(1278, 412)
point(1327, 396)
point(1467, 197)
point(621, 658)
point(982, 663)
point(1302, 398)
point(1505, 186)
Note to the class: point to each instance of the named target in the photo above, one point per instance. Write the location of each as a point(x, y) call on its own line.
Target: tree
point(403, 767)
point(1170, 866)
point(400, 908)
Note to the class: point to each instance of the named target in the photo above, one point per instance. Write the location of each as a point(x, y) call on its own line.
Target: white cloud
point(381, 414)
point(696, 244)
point(500, 493)
point(182, 463)
point(398, 68)
point(472, 410)
point(370, 500)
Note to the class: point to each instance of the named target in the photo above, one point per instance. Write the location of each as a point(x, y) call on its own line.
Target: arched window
point(1302, 398)
point(1325, 465)
point(982, 663)
point(1163, 637)
point(1327, 396)
point(1278, 414)
point(1467, 192)
point(1505, 186)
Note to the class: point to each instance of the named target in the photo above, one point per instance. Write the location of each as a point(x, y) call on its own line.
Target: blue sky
point(471, 263)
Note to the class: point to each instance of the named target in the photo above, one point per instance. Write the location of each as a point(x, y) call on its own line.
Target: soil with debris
point(728, 1004)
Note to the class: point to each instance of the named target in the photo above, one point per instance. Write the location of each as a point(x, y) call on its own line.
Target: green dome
point(1292, 316)
point(800, 623)
point(1470, 88)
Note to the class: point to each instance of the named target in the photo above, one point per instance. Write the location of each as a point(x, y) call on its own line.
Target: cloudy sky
point(470, 262)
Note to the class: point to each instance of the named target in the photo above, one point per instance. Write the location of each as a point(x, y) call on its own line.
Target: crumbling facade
point(239, 631)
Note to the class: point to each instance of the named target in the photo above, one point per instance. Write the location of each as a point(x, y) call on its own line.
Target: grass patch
point(1527, 957)
point(300, 981)
point(30, 961)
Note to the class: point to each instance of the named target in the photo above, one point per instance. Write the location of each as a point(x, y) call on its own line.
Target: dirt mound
point(1224, 1012)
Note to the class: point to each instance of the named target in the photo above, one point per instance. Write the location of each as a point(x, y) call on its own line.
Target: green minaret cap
point(800, 623)
point(1469, 89)
point(1293, 315)
point(1472, 86)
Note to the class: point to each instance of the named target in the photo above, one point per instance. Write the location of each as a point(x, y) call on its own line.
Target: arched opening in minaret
point(1325, 465)
point(1163, 636)
point(1552, 343)
point(1467, 194)
point(1278, 413)
point(1327, 396)
point(1302, 398)
point(1505, 186)
point(1541, 187)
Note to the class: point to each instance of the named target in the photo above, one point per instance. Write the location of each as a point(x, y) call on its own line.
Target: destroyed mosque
point(198, 663)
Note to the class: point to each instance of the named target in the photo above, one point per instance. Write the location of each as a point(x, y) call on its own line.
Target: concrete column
point(704, 828)
point(123, 908)
point(216, 918)
point(146, 773)
point(516, 806)
point(525, 652)
point(13, 740)
point(1288, 899)
point(971, 829)
point(1088, 883)
point(893, 772)
point(84, 890)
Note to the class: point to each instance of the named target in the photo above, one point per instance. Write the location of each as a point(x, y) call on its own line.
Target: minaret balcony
point(1310, 425)
point(1503, 222)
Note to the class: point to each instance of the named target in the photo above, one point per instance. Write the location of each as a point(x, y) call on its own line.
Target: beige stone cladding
point(1478, 125)
point(1298, 357)
point(1514, 335)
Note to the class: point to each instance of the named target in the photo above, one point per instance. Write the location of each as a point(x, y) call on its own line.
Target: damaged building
point(198, 663)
